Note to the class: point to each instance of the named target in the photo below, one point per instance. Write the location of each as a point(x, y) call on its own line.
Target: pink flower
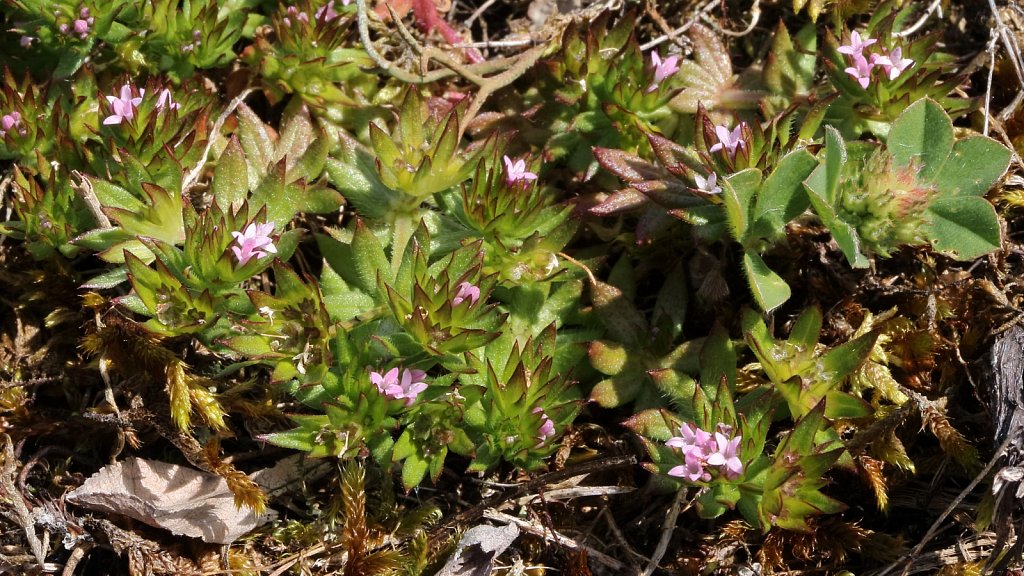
point(708, 184)
point(691, 437)
point(166, 99)
point(860, 71)
point(692, 469)
point(10, 121)
point(662, 68)
point(516, 171)
point(893, 63)
point(253, 242)
point(700, 450)
point(407, 386)
point(293, 12)
point(547, 427)
point(328, 13)
point(731, 141)
point(725, 454)
point(26, 41)
point(80, 26)
point(857, 45)
point(466, 291)
point(123, 106)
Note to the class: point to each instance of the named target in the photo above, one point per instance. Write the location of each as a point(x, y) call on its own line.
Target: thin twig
point(614, 527)
point(193, 175)
point(908, 560)
point(1009, 42)
point(479, 11)
point(755, 16)
point(21, 513)
point(988, 85)
point(76, 556)
point(84, 189)
point(666, 532)
point(708, 6)
point(557, 538)
point(495, 43)
point(935, 5)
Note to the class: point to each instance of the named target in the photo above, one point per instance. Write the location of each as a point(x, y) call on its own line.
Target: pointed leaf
point(769, 289)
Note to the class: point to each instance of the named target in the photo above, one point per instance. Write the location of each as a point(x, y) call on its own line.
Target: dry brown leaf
point(182, 500)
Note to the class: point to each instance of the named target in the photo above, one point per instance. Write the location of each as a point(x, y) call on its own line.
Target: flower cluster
point(401, 384)
point(197, 41)
point(253, 242)
point(702, 449)
point(9, 122)
point(892, 63)
point(80, 27)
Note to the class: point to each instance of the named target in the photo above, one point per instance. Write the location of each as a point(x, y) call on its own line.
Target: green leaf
point(231, 177)
point(654, 424)
point(622, 320)
point(608, 357)
point(841, 361)
point(973, 166)
point(769, 289)
point(679, 387)
point(613, 392)
point(738, 190)
point(782, 196)
point(789, 69)
point(351, 169)
point(111, 195)
point(806, 329)
point(843, 233)
point(965, 227)
point(251, 345)
point(717, 360)
point(258, 147)
point(922, 133)
point(835, 158)
point(368, 258)
point(414, 468)
point(839, 404)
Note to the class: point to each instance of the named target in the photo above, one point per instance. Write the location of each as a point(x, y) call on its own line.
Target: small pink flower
point(700, 450)
point(253, 242)
point(466, 291)
point(725, 455)
point(25, 41)
point(165, 98)
point(857, 45)
point(298, 15)
point(516, 171)
point(10, 121)
point(731, 141)
point(547, 427)
point(893, 63)
point(406, 384)
point(328, 13)
point(691, 438)
point(662, 68)
point(860, 71)
point(692, 468)
point(123, 106)
point(708, 184)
